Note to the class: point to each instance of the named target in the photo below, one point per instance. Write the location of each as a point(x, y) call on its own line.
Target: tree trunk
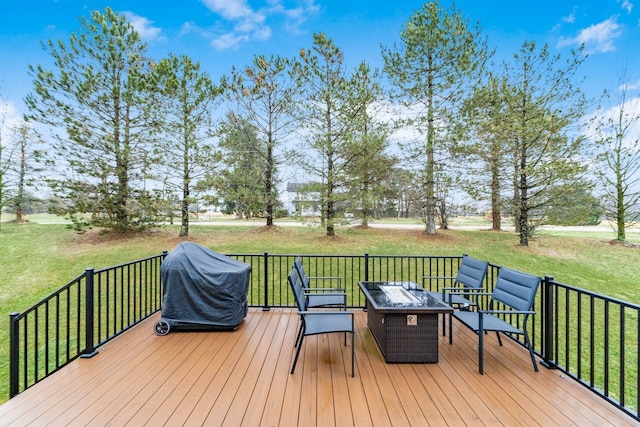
point(184, 206)
point(523, 215)
point(430, 221)
point(269, 183)
point(23, 168)
point(330, 203)
point(184, 213)
point(620, 210)
point(495, 198)
point(444, 215)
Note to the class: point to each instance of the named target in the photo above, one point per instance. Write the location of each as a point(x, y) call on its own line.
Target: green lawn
point(36, 259)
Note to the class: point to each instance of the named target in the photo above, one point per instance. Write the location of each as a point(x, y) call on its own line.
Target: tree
point(101, 117)
point(367, 172)
point(617, 139)
point(543, 101)
point(330, 108)
point(266, 94)
point(24, 167)
point(575, 206)
point(188, 96)
point(7, 158)
point(485, 140)
point(241, 182)
point(438, 60)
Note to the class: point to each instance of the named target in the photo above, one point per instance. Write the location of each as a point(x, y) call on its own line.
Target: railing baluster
point(265, 306)
point(606, 348)
point(592, 342)
point(622, 377)
point(567, 328)
point(579, 333)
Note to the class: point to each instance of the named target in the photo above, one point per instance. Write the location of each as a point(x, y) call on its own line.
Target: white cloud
point(241, 23)
point(597, 38)
point(609, 117)
point(10, 118)
point(295, 16)
point(229, 9)
point(227, 41)
point(571, 18)
point(144, 27)
point(630, 86)
point(626, 5)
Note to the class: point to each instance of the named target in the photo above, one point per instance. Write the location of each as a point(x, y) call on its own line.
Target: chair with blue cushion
point(323, 296)
point(468, 282)
point(319, 322)
point(513, 295)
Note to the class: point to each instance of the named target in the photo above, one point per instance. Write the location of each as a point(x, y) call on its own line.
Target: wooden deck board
point(242, 378)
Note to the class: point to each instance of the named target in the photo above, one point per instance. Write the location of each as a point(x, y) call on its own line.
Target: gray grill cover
point(203, 289)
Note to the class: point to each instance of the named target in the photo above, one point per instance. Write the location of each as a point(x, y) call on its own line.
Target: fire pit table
point(403, 319)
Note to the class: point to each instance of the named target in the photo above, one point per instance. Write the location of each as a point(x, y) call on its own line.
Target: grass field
point(36, 259)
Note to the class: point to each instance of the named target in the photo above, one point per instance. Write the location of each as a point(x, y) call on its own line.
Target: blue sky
point(225, 33)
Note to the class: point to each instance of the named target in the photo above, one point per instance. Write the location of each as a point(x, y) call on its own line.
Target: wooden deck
point(242, 378)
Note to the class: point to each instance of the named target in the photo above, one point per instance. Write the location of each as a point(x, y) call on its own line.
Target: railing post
point(366, 267)
point(14, 357)
point(266, 307)
point(89, 349)
point(366, 275)
point(547, 332)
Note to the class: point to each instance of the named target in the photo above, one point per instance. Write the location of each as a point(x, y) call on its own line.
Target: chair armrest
point(326, 313)
point(325, 293)
point(462, 290)
point(324, 277)
point(506, 312)
point(476, 293)
point(315, 290)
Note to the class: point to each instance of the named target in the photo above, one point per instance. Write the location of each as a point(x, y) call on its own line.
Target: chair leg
point(499, 339)
point(480, 344)
point(295, 359)
point(450, 328)
point(528, 343)
point(299, 335)
point(353, 353)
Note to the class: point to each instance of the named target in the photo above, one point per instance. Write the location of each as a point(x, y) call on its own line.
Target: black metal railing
point(592, 338)
point(81, 316)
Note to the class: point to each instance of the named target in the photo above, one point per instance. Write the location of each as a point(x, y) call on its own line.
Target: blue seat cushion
point(490, 322)
point(336, 321)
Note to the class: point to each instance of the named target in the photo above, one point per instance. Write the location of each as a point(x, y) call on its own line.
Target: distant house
point(302, 199)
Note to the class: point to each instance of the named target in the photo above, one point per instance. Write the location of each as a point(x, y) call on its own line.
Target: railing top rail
point(50, 296)
point(596, 295)
point(141, 260)
point(345, 255)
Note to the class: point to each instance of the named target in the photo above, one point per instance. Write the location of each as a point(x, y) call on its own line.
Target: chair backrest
point(471, 272)
point(298, 291)
point(515, 289)
point(303, 275)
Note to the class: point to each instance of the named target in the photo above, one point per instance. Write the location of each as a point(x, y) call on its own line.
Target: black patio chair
point(319, 322)
point(321, 296)
point(515, 293)
point(468, 282)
